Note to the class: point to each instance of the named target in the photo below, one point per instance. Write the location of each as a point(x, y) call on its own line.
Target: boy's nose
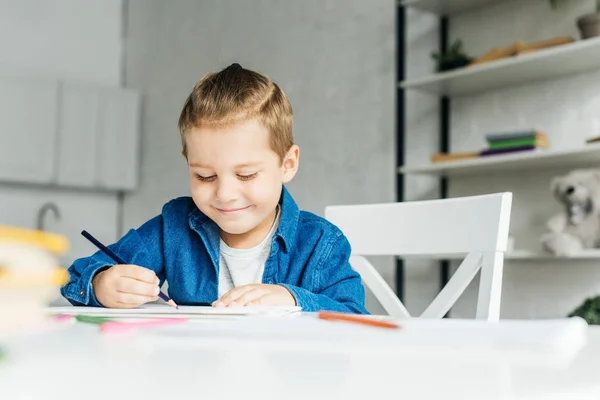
point(225, 192)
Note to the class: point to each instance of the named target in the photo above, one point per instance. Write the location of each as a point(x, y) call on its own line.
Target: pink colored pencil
point(61, 317)
point(125, 326)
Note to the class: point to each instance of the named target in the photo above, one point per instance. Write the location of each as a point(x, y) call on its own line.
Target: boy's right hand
point(125, 286)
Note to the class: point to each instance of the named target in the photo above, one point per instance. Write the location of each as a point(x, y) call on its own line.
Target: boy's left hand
point(256, 295)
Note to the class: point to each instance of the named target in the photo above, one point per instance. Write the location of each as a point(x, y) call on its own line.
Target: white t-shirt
point(244, 266)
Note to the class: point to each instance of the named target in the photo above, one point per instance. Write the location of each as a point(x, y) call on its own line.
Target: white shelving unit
point(553, 63)
point(447, 7)
point(526, 255)
point(588, 156)
point(564, 60)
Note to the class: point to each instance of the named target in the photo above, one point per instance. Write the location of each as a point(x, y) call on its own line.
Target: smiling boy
point(240, 240)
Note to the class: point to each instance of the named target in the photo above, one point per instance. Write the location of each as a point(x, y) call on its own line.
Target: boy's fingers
point(139, 273)
point(249, 296)
point(129, 300)
point(128, 285)
point(232, 295)
point(261, 301)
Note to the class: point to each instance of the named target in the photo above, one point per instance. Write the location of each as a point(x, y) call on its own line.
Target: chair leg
point(455, 287)
point(378, 286)
point(490, 287)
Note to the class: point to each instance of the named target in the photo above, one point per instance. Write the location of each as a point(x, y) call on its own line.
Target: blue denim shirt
point(309, 256)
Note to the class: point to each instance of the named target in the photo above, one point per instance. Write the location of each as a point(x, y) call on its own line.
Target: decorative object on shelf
point(589, 310)
point(588, 24)
point(454, 58)
point(29, 276)
point(500, 143)
point(520, 47)
point(578, 226)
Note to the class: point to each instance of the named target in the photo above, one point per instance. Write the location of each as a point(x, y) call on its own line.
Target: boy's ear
point(290, 163)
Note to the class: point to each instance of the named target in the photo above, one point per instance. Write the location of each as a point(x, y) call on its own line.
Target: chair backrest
point(432, 227)
point(476, 226)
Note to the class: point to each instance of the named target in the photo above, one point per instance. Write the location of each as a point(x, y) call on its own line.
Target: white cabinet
point(28, 109)
point(118, 140)
point(68, 134)
point(77, 161)
point(98, 137)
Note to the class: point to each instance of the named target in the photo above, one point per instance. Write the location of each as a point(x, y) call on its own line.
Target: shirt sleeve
point(142, 247)
point(339, 287)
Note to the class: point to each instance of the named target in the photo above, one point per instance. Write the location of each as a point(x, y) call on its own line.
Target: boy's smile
point(236, 178)
point(231, 211)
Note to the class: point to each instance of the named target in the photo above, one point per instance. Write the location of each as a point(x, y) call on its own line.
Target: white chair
point(476, 226)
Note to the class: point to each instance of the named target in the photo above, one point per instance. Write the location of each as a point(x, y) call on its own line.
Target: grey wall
point(66, 39)
point(335, 60)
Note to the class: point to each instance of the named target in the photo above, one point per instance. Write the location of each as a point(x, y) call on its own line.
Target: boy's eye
point(206, 178)
point(247, 177)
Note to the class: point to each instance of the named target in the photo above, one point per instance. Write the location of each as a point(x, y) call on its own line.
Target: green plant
point(589, 310)
point(557, 3)
point(454, 58)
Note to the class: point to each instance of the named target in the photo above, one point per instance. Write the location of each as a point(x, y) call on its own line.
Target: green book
point(493, 137)
point(512, 143)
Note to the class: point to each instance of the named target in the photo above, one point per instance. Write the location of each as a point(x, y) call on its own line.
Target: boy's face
point(236, 177)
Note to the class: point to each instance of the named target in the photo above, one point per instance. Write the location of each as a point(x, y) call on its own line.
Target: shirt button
point(81, 292)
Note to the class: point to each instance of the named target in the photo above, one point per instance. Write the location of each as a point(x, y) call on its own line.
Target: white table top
point(196, 361)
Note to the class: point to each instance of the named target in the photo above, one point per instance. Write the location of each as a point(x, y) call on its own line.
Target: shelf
point(531, 255)
point(447, 7)
point(567, 59)
point(523, 255)
point(584, 157)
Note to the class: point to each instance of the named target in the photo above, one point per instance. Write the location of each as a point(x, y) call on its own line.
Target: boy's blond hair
point(236, 94)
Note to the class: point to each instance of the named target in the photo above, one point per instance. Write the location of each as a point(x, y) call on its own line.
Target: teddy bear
point(578, 226)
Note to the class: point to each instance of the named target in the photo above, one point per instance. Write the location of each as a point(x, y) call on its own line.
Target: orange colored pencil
point(357, 319)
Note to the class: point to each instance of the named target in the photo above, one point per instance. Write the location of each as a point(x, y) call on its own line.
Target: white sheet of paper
point(165, 311)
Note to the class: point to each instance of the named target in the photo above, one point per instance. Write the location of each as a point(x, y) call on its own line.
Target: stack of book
point(511, 142)
point(500, 143)
point(30, 276)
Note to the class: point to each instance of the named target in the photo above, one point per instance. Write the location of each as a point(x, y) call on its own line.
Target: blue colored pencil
point(119, 260)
